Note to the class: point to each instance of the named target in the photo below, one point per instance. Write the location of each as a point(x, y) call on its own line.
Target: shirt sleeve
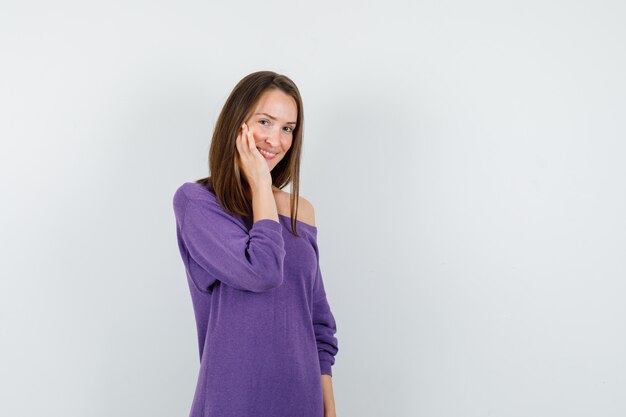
point(246, 260)
point(323, 323)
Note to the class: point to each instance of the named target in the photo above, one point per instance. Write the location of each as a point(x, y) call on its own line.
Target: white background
point(466, 163)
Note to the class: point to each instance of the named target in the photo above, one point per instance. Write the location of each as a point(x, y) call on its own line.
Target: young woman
point(266, 332)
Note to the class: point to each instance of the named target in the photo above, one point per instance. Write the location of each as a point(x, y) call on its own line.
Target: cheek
point(255, 136)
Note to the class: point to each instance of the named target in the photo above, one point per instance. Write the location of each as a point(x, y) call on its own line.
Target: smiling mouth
point(266, 154)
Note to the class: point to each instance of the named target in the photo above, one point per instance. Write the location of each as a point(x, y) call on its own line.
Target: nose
point(273, 139)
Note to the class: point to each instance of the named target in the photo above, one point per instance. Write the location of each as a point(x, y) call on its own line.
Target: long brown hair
point(225, 180)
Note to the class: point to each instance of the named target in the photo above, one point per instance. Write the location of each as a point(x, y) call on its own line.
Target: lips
point(267, 154)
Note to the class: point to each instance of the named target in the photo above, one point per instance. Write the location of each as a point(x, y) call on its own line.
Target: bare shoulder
point(306, 211)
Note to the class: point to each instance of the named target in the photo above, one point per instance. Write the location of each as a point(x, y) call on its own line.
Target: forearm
point(263, 203)
point(329, 398)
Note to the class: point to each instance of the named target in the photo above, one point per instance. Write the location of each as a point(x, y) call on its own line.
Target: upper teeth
point(266, 152)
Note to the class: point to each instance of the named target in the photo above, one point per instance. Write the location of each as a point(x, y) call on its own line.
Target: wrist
point(261, 187)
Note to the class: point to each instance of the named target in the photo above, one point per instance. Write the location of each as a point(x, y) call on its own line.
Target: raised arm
point(246, 260)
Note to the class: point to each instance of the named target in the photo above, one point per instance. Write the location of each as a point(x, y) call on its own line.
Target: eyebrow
point(273, 118)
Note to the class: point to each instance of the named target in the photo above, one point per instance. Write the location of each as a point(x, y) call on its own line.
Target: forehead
point(279, 104)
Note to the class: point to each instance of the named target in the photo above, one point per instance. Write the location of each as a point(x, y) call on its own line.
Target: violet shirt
point(265, 330)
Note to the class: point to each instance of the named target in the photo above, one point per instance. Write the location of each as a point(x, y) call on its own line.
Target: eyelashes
point(287, 127)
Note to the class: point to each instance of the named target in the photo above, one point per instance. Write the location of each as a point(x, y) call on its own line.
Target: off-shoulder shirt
point(265, 329)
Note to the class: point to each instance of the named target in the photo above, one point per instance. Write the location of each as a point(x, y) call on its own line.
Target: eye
point(290, 130)
point(263, 120)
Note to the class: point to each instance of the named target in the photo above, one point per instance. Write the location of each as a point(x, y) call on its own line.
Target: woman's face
point(272, 124)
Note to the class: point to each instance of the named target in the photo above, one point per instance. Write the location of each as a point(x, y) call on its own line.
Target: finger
point(246, 140)
point(251, 143)
point(243, 149)
point(252, 146)
point(239, 140)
